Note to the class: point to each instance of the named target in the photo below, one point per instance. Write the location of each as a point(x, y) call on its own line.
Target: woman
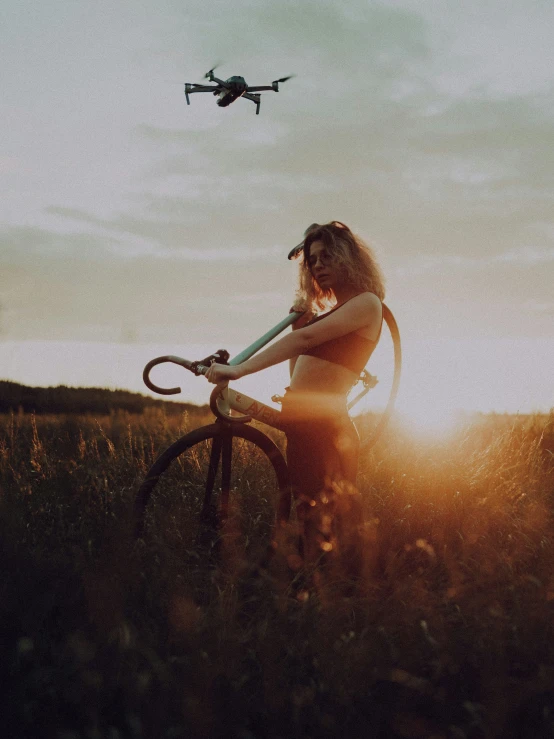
point(327, 354)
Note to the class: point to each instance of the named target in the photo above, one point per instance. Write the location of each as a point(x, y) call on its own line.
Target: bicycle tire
point(221, 436)
point(390, 320)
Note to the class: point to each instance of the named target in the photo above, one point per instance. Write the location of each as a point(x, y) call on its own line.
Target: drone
point(227, 91)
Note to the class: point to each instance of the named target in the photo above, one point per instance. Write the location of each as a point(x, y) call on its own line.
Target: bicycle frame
point(226, 399)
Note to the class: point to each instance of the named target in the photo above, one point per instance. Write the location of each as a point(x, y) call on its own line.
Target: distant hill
point(62, 399)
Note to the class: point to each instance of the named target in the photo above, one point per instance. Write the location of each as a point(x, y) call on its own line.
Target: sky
point(133, 225)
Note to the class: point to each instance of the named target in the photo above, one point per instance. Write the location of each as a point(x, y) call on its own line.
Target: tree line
point(78, 400)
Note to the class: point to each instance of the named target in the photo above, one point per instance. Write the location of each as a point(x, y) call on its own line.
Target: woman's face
point(323, 267)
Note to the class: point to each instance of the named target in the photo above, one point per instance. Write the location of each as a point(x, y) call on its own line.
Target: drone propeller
point(207, 75)
point(284, 79)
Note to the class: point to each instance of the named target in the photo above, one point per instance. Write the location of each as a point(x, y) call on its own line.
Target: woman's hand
point(305, 318)
point(219, 374)
point(301, 306)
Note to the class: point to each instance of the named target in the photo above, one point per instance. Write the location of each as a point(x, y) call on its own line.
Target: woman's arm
point(289, 346)
point(306, 316)
point(363, 310)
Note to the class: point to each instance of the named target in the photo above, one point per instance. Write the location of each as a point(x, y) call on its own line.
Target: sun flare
point(429, 420)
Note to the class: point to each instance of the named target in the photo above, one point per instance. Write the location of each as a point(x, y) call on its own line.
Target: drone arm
point(255, 99)
point(190, 88)
point(260, 88)
point(213, 78)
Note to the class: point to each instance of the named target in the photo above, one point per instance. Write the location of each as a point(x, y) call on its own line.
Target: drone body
point(227, 91)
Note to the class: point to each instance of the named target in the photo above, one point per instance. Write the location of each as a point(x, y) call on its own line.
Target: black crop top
point(350, 350)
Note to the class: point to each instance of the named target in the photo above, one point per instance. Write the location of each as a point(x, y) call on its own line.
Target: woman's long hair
point(354, 258)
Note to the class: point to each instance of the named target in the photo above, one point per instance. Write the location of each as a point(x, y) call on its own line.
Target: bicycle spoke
point(215, 454)
point(226, 476)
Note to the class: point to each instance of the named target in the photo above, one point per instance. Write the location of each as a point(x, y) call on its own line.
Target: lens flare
point(424, 419)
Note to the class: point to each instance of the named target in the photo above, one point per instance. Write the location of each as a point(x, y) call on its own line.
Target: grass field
point(449, 634)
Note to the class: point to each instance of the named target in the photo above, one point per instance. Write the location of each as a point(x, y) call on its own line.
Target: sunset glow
point(431, 422)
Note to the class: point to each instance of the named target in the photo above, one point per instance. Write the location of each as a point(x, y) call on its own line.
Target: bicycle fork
point(222, 448)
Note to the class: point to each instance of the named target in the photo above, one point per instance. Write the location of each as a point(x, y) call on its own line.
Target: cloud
point(537, 306)
point(315, 34)
point(480, 152)
point(266, 133)
point(242, 302)
point(75, 295)
point(525, 256)
point(364, 129)
point(130, 239)
point(19, 244)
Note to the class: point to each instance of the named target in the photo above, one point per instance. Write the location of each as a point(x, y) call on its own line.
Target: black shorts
point(322, 444)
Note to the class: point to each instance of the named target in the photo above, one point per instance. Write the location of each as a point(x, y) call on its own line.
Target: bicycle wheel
point(209, 474)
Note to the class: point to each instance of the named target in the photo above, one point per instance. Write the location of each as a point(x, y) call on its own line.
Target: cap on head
point(295, 251)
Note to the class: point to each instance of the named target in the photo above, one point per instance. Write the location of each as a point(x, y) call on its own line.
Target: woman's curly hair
point(354, 258)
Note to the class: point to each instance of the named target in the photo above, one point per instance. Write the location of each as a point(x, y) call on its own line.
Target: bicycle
point(200, 451)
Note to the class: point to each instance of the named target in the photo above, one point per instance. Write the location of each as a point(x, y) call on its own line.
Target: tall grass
point(449, 633)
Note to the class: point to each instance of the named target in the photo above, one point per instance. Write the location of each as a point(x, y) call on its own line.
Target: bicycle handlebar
point(199, 369)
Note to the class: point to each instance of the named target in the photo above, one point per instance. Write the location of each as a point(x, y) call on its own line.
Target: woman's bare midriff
point(319, 389)
point(315, 375)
